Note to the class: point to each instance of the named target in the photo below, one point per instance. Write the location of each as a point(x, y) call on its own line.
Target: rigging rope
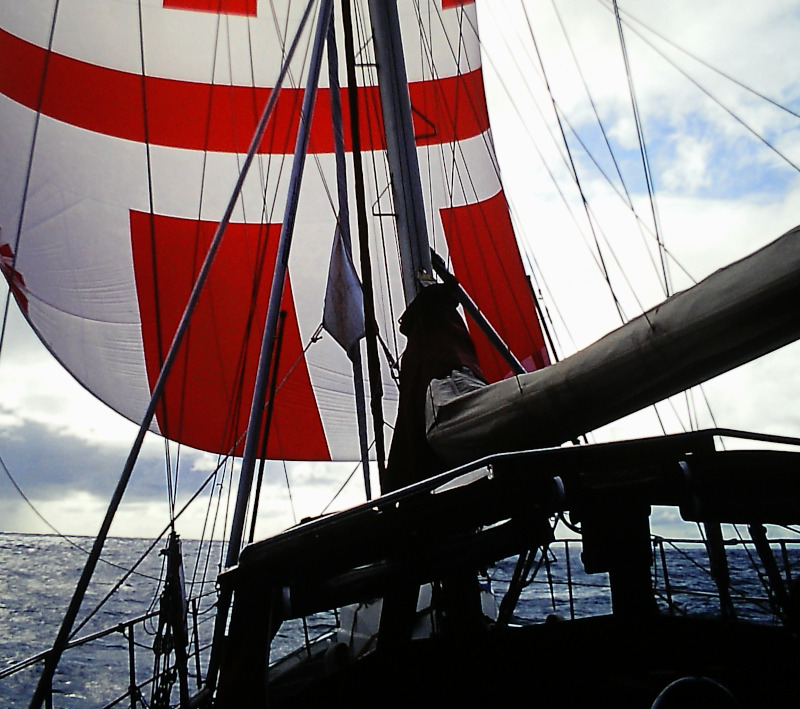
point(574, 172)
point(729, 111)
point(55, 531)
point(716, 70)
point(555, 182)
point(535, 268)
point(343, 233)
point(559, 113)
point(612, 154)
point(642, 149)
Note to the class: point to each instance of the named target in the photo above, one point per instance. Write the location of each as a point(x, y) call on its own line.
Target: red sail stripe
point(109, 101)
point(16, 281)
point(221, 7)
point(486, 260)
point(220, 341)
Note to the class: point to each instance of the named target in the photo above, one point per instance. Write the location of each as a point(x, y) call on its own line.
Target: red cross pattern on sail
point(222, 7)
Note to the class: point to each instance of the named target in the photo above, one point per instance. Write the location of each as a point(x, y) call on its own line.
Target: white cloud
point(37, 388)
point(692, 154)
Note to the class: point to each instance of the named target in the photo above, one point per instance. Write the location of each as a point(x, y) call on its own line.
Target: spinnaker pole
point(477, 316)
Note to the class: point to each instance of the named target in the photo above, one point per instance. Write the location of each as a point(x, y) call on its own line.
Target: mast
point(353, 349)
point(401, 147)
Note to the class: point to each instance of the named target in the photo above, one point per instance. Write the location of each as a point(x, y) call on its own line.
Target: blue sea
point(39, 573)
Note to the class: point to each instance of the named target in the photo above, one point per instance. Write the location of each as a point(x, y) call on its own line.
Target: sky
point(721, 194)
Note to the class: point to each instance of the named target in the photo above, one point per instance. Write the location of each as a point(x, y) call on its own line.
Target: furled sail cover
point(122, 128)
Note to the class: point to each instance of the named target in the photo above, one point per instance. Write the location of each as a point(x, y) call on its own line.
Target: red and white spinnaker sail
point(122, 130)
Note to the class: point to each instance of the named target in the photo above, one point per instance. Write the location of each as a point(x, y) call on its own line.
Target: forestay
point(123, 127)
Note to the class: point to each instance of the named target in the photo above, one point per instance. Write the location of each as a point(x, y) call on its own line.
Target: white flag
point(344, 302)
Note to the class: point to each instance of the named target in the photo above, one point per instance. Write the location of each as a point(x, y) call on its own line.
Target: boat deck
point(500, 507)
